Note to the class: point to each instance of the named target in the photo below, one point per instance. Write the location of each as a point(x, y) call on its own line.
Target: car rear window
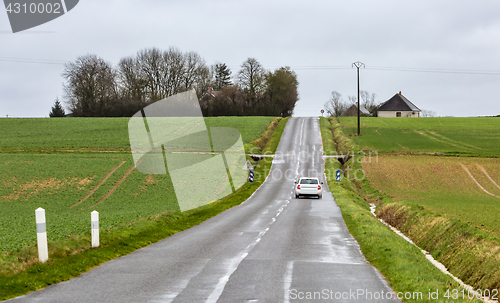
point(308, 181)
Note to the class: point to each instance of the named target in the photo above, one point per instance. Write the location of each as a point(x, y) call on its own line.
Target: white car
point(308, 186)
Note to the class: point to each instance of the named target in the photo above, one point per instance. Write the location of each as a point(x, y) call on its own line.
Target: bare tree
point(427, 113)
point(170, 72)
point(133, 85)
point(368, 102)
point(251, 78)
point(335, 106)
point(151, 64)
point(204, 80)
point(352, 100)
point(90, 85)
point(194, 68)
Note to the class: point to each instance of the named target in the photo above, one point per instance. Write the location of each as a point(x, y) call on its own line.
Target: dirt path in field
point(402, 146)
point(98, 185)
point(382, 122)
point(432, 137)
point(488, 175)
point(439, 136)
point(378, 132)
point(478, 184)
point(442, 139)
point(112, 190)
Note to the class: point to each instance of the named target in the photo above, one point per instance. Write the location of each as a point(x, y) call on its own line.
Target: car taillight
point(298, 186)
point(319, 187)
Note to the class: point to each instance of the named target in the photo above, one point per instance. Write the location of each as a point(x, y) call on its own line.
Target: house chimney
point(400, 92)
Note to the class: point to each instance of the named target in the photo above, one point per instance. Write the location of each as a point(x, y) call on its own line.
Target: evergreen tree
point(57, 110)
point(222, 76)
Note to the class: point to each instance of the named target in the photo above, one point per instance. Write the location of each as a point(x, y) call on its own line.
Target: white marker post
point(41, 235)
point(94, 217)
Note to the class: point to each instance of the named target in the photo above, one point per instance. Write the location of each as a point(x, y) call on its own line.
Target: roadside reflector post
point(41, 235)
point(94, 218)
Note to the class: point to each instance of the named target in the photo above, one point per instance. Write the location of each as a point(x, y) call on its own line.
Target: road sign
point(250, 179)
point(338, 176)
point(248, 166)
point(322, 111)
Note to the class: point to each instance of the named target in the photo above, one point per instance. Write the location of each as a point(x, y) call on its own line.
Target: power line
point(397, 69)
point(37, 61)
point(312, 67)
point(435, 70)
point(299, 67)
point(319, 67)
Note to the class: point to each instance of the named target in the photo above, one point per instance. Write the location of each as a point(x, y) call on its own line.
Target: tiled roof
point(398, 103)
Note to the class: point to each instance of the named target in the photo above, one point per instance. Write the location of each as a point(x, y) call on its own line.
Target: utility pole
point(358, 65)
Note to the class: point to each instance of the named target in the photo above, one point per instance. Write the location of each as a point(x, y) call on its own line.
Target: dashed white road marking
point(219, 288)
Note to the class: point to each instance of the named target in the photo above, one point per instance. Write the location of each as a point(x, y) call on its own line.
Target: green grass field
point(56, 163)
point(73, 175)
point(461, 136)
point(97, 134)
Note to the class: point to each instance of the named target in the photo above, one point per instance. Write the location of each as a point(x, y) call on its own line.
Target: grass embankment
point(403, 264)
point(71, 256)
point(269, 141)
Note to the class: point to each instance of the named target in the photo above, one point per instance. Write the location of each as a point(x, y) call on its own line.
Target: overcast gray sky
point(318, 39)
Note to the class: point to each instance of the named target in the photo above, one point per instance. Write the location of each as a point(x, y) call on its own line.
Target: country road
point(271, 248)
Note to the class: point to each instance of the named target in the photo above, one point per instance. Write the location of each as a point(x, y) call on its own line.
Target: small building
point(398, 106)
point(353, 112)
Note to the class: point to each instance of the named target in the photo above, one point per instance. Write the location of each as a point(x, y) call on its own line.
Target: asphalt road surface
point(271, 248)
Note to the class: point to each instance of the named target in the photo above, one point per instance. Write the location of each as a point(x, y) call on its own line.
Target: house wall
point(391, 114)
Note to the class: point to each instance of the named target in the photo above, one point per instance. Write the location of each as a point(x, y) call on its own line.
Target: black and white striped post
point(94, 218)
point(41, 235)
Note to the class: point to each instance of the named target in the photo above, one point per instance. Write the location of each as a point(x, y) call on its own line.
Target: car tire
point(320, 196)
point(296, 196)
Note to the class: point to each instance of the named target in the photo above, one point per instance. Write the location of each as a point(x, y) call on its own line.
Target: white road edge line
point(287, 281)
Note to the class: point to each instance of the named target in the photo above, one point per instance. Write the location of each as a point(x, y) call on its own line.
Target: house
point(353, 112)
point(398, 106)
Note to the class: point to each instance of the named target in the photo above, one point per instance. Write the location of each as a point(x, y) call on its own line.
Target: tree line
point(93, 87)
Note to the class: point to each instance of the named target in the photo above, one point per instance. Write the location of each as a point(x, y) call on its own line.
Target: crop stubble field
point(71, 167)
